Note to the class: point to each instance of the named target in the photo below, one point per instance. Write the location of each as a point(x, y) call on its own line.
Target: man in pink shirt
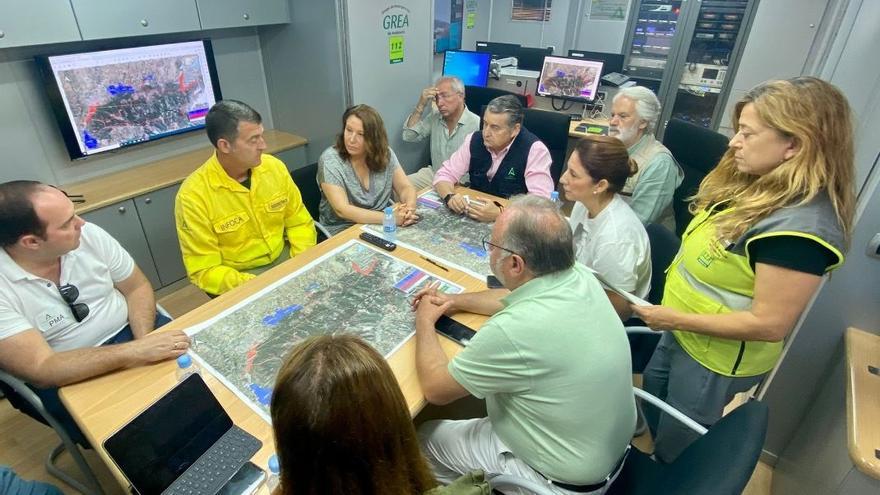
point(504, 159)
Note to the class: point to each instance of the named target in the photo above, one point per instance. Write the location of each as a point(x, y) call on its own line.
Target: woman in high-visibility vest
point(770, 220)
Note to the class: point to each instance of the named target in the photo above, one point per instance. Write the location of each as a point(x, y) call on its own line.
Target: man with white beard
point(634, 115)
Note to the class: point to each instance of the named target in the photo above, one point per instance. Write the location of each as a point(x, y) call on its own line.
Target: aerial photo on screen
point(567, 80)
point(123, 103)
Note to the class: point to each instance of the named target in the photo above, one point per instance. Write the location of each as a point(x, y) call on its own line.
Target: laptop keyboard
point(216, 466)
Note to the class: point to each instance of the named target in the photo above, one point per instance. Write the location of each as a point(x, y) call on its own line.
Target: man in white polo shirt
point(73, 304)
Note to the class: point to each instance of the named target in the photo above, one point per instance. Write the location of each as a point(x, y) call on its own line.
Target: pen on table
point(438, 265)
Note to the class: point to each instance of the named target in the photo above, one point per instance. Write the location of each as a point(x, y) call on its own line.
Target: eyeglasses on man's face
point(487, 243)
point(70, 294)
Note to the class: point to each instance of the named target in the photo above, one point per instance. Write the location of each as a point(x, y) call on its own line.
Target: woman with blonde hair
point(771, 219)
point(342, 426)
point(358, 174)
point(608, 236)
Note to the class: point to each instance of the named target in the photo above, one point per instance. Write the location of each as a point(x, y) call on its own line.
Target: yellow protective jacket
point(225, 228)
point(708, 278)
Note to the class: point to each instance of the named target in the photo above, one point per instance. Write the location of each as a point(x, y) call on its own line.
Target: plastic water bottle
point(389, 225)
point(554, 197)
point(274, 478)
point(185, 367)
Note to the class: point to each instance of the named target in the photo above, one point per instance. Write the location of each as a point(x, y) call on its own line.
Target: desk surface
point(104, 404)
point(863, 400)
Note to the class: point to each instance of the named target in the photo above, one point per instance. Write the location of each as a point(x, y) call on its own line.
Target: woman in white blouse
point(608, 236)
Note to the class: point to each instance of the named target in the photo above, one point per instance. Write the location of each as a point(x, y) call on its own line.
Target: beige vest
point(648, 148)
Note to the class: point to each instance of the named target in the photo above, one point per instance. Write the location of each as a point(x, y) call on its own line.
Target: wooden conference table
point(103, 405)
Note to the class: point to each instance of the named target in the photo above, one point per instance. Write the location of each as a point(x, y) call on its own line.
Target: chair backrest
point(664, 246)
point(477, 97)
point(305, 179)
point(552, 129)
point(720, 462)
point(697, 150)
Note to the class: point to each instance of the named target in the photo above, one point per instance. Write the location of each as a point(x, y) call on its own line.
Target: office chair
point(30, 404)
point(697, 150)
point(643, 340)
point(552, 129)
point(306, 179)
point(24, 393)
point(720, 462)
point(477, 97)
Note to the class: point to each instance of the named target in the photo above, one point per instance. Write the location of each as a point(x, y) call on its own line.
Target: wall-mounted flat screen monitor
point(471, 67)
point(612, 62)
point(569, 78)
point(531, 58)
point(109, 99)
point(498, 50)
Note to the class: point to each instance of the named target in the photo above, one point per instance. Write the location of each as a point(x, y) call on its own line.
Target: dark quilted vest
point(510, 178)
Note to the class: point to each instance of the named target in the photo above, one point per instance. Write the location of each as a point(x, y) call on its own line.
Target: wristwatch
point(447, 198)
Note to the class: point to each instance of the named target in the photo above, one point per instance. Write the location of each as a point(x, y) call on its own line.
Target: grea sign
point(395, 19)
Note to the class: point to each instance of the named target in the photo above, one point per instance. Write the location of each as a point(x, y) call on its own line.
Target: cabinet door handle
point(145, 22)
point(246, 16)
point(148, 200)
point(121, 210)
point(2, 34)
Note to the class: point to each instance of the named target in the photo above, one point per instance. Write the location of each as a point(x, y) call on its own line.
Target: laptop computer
point(184, 443)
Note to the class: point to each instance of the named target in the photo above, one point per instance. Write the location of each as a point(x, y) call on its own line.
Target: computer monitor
point(471, 67)
point(498, 50)
point(613, 62)
point(569, 78)
point(529, 58)
point(108, 99)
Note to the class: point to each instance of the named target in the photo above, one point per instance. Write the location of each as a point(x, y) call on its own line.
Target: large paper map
point(453, 239)
point(352, 289)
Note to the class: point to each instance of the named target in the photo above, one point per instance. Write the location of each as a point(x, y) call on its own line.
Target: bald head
point(533, 228)
point(18, 216)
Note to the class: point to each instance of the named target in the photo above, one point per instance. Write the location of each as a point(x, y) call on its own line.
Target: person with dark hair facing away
point(553, 364)
point(73, 303)
point(608, 236)
point(341, 425)
point(234, 212)
point(503, 159)
point(772, 219)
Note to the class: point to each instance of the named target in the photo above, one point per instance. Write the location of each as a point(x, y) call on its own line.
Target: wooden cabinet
point(215, 14)
point(36, 22)
point(113, 19)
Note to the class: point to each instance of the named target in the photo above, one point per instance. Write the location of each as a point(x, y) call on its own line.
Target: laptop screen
point(162, 442)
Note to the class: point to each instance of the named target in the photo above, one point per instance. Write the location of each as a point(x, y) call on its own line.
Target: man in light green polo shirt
point(447, 124)
point(553, 364)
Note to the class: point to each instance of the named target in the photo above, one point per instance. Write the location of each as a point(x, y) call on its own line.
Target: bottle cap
point(389, 210)
point(554, 196)
point(274, 468)
point(184, 361)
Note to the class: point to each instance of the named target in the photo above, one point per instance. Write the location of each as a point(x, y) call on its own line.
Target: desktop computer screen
point(498, 50)
point(531, 58)
point(471, 67)
point(569, 78)
point(613, 62)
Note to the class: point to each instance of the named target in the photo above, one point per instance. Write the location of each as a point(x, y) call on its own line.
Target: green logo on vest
point(705, 258)
point(511, 174)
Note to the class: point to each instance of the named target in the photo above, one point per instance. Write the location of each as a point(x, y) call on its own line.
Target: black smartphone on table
point(454, 330)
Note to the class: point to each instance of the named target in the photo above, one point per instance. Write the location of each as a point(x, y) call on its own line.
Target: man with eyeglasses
point(447, 124)
point(502, 159)
point(552, 363)
point(73, 304)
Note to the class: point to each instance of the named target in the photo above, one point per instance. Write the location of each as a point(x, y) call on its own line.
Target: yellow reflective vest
point(225, 228)
point(707, 277)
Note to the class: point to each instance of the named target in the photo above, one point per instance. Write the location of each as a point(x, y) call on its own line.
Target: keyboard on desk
point(601, 130)
point(216, 466)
